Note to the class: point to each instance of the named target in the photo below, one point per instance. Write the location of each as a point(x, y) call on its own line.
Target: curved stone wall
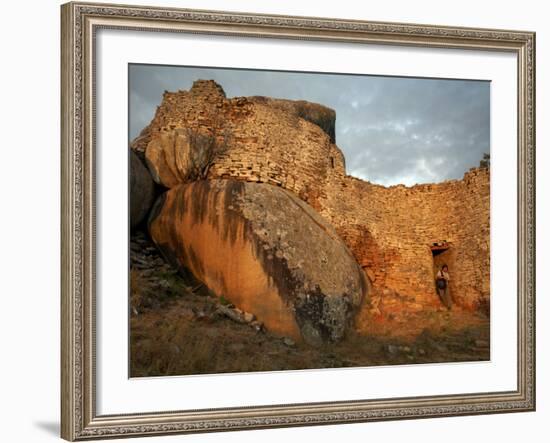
point(388, 229)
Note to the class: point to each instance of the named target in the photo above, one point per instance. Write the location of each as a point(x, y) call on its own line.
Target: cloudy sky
point(391, 129)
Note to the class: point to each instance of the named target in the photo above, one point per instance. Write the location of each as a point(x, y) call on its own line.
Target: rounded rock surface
point(142, 190)
point(266, 251)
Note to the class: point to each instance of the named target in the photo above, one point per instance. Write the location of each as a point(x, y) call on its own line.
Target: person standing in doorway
point(442, 282)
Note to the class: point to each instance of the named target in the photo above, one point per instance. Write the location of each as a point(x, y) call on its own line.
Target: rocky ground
point(177, 327)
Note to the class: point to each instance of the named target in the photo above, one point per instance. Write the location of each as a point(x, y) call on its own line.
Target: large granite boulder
point(181, 155)
point(142, 190)
point(266, 251)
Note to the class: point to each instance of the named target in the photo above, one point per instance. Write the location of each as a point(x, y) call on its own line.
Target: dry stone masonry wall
point(267, 140)
point(388, 229)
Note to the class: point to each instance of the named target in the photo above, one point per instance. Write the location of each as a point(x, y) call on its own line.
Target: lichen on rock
point(265, 250)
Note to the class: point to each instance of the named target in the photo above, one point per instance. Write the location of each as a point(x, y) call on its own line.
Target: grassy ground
point(176, 342)
point(176, 328)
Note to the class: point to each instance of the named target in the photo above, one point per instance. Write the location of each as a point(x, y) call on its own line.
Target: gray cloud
point(391, 129)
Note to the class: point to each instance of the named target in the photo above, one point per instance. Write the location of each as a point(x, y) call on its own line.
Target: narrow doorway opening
point(441, 255)
point(439, 247)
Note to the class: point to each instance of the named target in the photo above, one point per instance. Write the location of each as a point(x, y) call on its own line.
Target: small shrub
point(224, 301)
point(206, 148)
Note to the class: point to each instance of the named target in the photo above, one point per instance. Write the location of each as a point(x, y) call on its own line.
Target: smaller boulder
point(142, 190)
point(181, 155)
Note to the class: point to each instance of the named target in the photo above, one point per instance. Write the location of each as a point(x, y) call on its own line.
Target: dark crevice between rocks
point(140, 193)
point(155, 210)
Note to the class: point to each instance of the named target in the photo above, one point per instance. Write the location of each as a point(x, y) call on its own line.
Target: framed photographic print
point(281, 221)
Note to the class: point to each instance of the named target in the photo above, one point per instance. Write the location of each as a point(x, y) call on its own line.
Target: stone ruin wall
point(388, 229)
point(267, 143)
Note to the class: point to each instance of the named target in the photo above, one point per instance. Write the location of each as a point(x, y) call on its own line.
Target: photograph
point(285, 220)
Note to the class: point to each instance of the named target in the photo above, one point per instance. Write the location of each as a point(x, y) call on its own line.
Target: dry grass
point(177, 332)
point(138, 297)
point(175, 341)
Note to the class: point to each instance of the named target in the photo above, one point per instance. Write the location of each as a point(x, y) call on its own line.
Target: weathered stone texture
point(314, 113)
point(142, 190)
point(266, 251)
point(265, 140)
point(388, 229)
point(182, 155)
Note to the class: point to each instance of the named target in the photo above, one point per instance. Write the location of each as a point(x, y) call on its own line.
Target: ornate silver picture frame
point(80, 24)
